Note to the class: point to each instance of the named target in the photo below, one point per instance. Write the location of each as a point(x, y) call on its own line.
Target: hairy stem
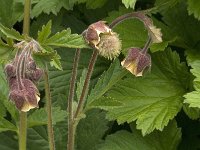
point(23, 115)
point(49, 110)
point(86, 83)
point(22, 130)
point(71, 128)
point(137, 15)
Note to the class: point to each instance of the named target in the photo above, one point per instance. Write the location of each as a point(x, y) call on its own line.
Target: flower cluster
point(22, 75)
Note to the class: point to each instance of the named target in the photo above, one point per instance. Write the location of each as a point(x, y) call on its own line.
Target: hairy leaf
point(44, 33)
point(124, 140)
point(154, 99)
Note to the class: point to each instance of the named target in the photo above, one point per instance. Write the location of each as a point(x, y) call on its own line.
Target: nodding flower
point(136, 61)
point(99, 36)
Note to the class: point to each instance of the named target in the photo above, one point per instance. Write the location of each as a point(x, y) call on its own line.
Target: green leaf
point(5, 52)
point(66, 39)
point(105, 103)
point(91, 4)
point(154, 99)
point(192, 112)
point(106, 81)
point(39, 117)
point(11, 33)
point(49, 6)
point(129, 3)
point(124, 140)
point(8, 141)
point(44, 33)
point(37, 138)
point(91, 130)
point(193, 8)
point(6, 125)
point(158, 46)
point(193, 59)
point(11, 11)
point(46, 55)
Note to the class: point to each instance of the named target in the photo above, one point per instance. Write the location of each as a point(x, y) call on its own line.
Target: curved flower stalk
point(22, 75)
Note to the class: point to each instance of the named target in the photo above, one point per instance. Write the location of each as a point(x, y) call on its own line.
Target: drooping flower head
point(22, 74)
point(99, 36)
point(136, 61)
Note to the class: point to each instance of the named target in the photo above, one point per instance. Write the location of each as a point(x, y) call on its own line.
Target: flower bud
point(100, 36)
point(136, 61)
point(10, 70)
point(34, 75)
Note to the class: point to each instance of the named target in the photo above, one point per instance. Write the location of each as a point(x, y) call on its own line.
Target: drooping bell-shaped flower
point(99, 36)
point(25, 98)
point(136, 61)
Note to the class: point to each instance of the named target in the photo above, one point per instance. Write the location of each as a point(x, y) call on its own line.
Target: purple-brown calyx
point(137, 61)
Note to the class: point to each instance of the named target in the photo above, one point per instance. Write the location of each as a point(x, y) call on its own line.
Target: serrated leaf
point(11, 33)
point(66, 39)
point(44, 33)
point(106, 81)
point(124, 140)
point(154, 99)
point(193, 59)
point(49, 6)
point(129, 3)
point(158, 46)
point(80, 84)
point(193, 8)
point(39, 117)
point(8, 141)
point(46, 55)
point(94, 122)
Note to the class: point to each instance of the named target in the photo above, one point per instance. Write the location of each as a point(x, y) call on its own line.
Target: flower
point(99, 36)
point(25, 98)
point(136, 61)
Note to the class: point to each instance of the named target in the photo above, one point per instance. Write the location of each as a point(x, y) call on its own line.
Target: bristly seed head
point(99, 36)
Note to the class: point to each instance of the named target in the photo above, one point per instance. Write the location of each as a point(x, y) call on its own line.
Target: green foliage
point(11, 33)
point(38, 117)
point(152, 100)
point(168, 139)
point(158, 111)
point(193, 8)
point(11, 11)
